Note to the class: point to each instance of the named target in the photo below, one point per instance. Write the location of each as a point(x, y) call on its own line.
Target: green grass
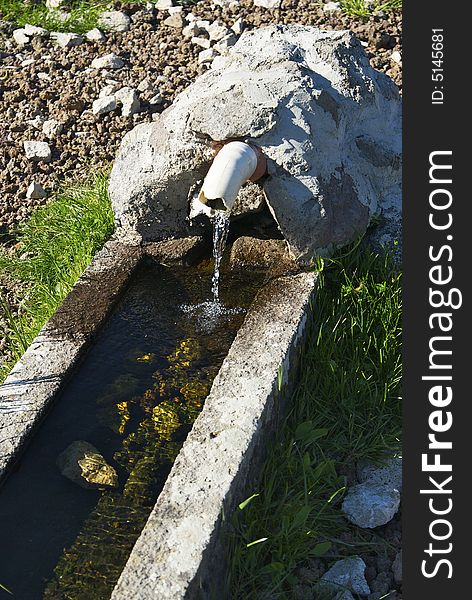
point(83, 15)
point(55, 244)
point(346, 407)
point(357, 8)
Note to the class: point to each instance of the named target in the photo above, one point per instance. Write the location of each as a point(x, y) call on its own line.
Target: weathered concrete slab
point(178, 554)
point(186, 251)
point(39, 375)
point(274, 255)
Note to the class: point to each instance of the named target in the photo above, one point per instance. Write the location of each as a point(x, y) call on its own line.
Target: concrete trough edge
point(180, 552)
point(41, 372)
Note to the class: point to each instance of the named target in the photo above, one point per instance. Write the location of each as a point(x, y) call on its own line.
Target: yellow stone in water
point(146, 358)
point(123, 411)
point(97, 471)
point(166, 420)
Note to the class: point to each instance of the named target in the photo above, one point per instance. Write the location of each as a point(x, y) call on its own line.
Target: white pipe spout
point(235, 163)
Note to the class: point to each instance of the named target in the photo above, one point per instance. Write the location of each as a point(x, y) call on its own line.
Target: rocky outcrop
point(329, 124)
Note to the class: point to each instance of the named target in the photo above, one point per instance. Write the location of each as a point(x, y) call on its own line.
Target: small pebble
point(104, 105)
point(95, 35)
point(109, 61)
point(35, 191)
point(37, 151)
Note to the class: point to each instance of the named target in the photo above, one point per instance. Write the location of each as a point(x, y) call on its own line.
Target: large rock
point(329, 124)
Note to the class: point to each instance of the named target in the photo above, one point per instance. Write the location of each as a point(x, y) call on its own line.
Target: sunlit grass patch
point(55, 244)
point(345, 408)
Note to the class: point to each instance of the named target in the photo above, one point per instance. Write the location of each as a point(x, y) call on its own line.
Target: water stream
point(220, 236)
point(214, 312)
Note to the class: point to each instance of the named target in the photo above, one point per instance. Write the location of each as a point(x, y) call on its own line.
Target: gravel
point(42, 81)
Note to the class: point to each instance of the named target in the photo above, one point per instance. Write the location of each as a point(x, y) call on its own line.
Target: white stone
point(34, 31)
point(114, 20)
point(107, 90)
point(145, 85)
point(52, 128)
point(66, 40)
point(173, 10)
point(128, 98)
point(331, 7)
point(95, 35)
point(224, 3)
point(396, 57)
point(174, 21)
point(42, 76)
point(55, 4)
point(224, 46)
point(157, 99)
point(268, 3)
point(191, 30)
point(37, 122)
point(218, 62)
point(206, 56)
point(190, 17)
point(238, 26)
point(347, 574)
point(35, 191)
point(20, 37)
point(203, 24)
point(201, 41)
point(60, 15)
point(37, 151)
point(103, 105)
point(109, 61)
point(27, 62)
point(217, 31)
point(164, 4)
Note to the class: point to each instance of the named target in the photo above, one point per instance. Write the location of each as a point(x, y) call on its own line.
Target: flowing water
point(212, 313)
point(134, 397)
point(220, 236)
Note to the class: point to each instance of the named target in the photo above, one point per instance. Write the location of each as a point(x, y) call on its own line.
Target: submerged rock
point(329, 124)
point(83, 464)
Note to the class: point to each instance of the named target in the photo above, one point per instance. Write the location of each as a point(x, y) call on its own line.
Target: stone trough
point(176, 554)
